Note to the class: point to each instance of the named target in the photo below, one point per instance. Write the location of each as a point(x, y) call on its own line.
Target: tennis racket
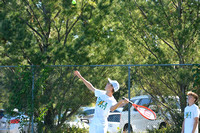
point(144, 111)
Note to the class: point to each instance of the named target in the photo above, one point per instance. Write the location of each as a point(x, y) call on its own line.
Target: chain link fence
point(53, 100)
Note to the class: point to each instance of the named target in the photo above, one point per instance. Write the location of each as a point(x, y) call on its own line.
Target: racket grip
point(123, 98)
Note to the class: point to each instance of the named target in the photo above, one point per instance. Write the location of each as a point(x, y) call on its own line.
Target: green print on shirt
point(188, 114)
point(102, 104)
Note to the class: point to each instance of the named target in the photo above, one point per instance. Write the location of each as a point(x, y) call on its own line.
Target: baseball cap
point(114, 83)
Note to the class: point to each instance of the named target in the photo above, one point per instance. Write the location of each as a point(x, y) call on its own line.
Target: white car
point(77, 123)
point(113, 122)
point(113, 118)
point(10, 123)
point(137, 122)
point(86, 114)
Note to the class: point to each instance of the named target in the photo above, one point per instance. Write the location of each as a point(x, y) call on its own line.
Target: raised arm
point(87, 83)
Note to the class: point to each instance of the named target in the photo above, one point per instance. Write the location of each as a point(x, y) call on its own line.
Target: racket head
point(145, 112)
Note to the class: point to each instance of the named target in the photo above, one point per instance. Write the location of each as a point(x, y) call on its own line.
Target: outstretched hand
point(77, 73)
point(87, 83)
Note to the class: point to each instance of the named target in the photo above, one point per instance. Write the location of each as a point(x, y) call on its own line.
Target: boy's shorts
point(98, 128)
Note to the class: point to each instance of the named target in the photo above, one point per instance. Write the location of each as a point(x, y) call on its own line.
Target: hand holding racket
point(144, 111)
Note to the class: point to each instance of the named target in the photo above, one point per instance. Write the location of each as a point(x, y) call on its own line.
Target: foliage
point(50, 32)
point(18, 83)
point(67, 129)
point(168, 129)
point(74, 129)
point(95, 32)
point(162, 32)
point(196, 76)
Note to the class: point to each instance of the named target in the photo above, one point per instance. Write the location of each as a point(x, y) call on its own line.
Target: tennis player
point(191, 114)
point(104, 104)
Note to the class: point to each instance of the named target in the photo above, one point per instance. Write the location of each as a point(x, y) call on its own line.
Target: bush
point(168, 129)
point(73, 129)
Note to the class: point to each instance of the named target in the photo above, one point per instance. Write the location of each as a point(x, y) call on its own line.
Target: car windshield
point(114, 118)
point(6, 114)
point(145, 102)
point(1, 114)
point(88, 112)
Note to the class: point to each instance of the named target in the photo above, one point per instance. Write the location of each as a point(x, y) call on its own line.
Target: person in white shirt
point(104, 104)
point(191, 115)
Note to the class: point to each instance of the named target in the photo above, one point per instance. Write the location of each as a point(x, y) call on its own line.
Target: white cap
point(114, 83)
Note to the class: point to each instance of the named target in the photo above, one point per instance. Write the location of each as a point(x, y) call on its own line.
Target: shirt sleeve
point(196, 112)
point(114, 102)
point(98, 92)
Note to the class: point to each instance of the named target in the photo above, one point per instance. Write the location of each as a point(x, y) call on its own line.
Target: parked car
point(10, 123)
point(113, 118)
point(138, 123)
point(73, 121)
point(87, 114)
point(77, 123)
point(113, 122)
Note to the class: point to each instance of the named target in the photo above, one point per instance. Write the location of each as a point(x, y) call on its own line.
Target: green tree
point(52, 33)
point(97, 32)
point(162, 32)
point(196, 76)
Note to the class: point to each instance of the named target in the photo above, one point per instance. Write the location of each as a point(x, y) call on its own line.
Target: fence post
point(33, 73)
point(129, 96)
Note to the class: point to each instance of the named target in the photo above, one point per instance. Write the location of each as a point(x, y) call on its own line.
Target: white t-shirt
point(103, 105)
point(190, 113)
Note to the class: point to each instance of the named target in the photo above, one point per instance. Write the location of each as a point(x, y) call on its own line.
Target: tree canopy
point(89, 32)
